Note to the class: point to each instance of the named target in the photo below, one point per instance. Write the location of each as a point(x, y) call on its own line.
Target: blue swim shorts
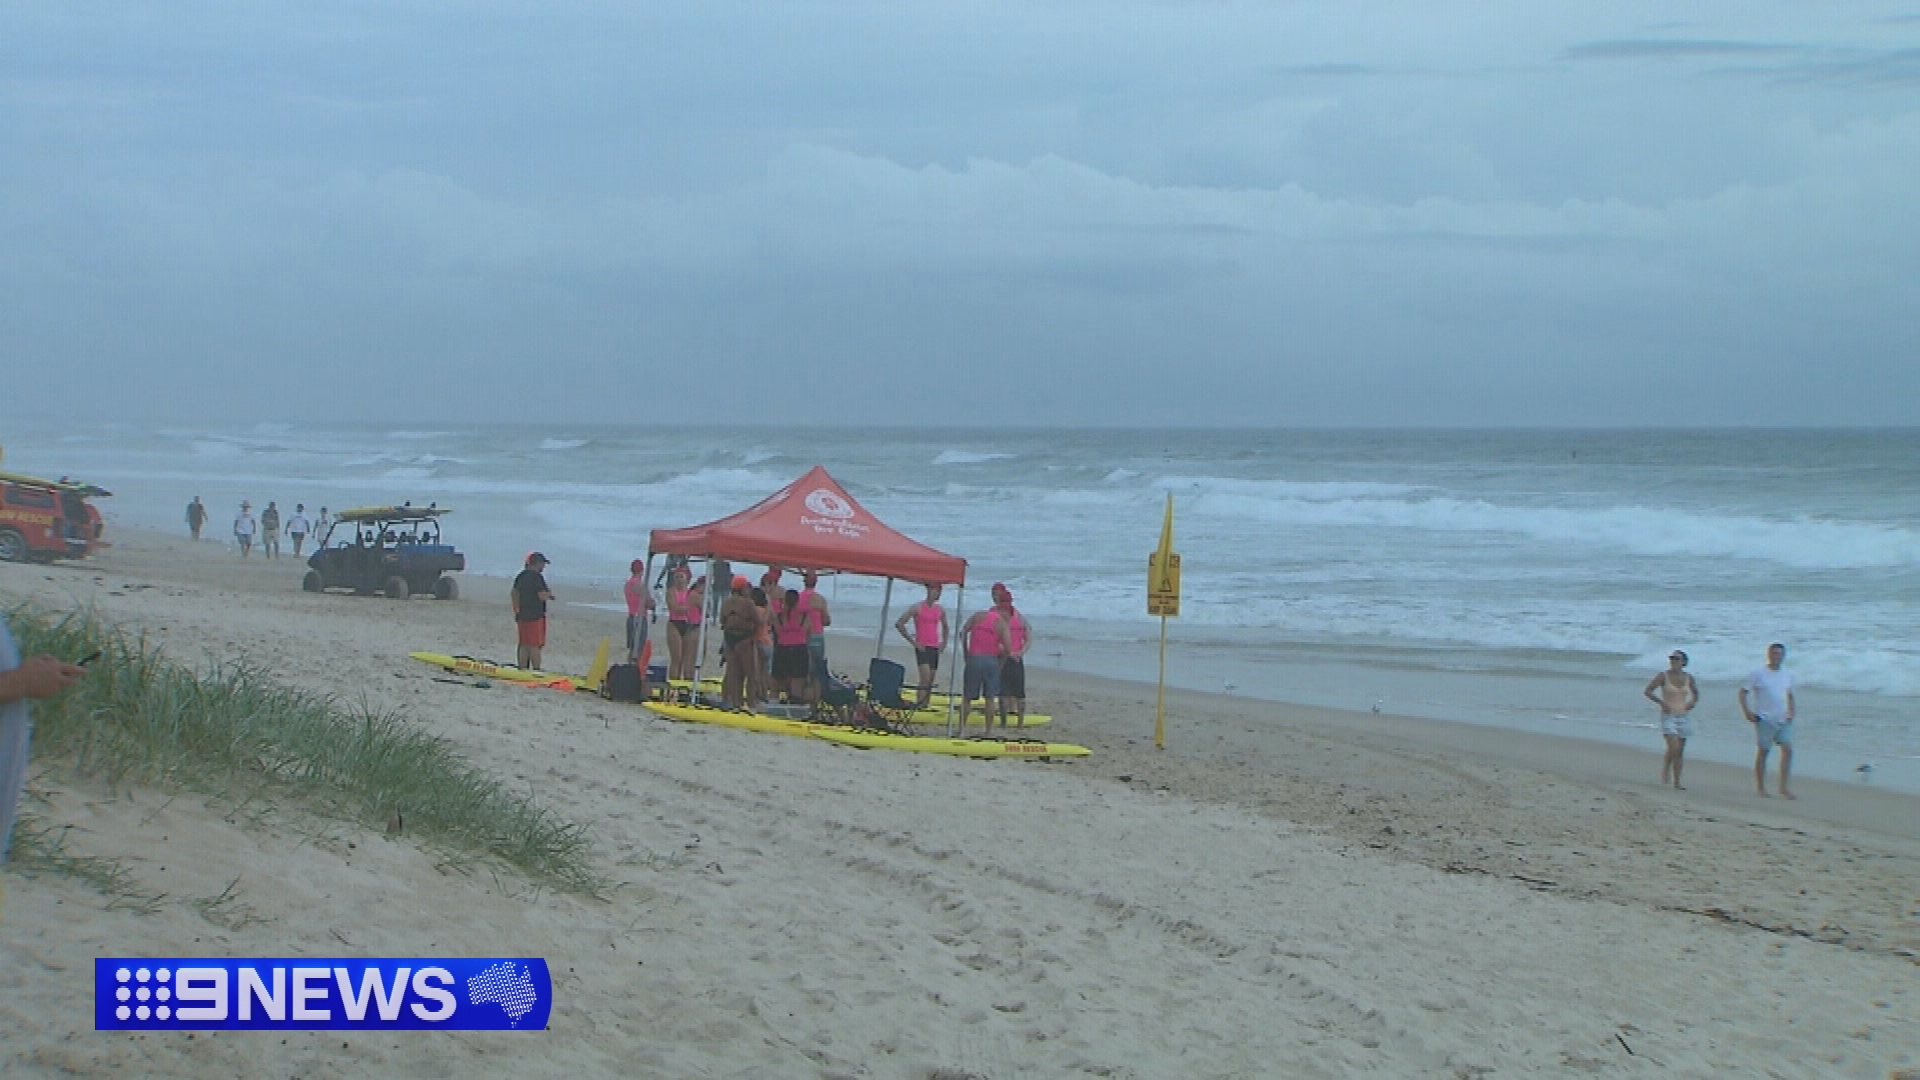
point(1770, 733)
point(982, 677)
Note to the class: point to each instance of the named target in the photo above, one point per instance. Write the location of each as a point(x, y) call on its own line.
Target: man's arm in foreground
point(38, 677)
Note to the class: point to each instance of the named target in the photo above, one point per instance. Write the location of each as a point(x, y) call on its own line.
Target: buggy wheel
point(13, 546)
point(397, 588)
point(446, 589)
point(313, 582)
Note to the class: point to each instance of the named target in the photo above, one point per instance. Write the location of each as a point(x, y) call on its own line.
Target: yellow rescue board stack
point(934, 715)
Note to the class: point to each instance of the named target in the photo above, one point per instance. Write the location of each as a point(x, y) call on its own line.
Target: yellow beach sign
point(1163, 572)
point(1163, 599)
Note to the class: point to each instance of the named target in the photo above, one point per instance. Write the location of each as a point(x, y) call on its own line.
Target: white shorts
point(1681, 725)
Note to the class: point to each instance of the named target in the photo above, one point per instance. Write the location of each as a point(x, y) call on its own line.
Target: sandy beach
point(1284, 891)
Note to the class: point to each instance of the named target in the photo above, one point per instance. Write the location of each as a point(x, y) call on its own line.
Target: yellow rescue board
point(467, 665)
point(928, 744)
point(706, 714)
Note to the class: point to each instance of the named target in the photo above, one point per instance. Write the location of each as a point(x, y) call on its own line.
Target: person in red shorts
point(530, 599)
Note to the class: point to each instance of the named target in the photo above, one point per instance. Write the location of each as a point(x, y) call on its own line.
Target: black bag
point(623, 683)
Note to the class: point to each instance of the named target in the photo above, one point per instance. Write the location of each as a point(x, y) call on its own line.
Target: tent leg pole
point(959, 657)
point(700, 649)
point(880, 639)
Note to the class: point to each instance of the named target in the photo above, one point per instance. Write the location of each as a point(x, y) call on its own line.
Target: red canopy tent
point(814, 523)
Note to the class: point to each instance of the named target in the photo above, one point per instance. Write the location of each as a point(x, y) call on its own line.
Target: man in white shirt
point(1767, 700)
point(243, 529)
point(297, 527)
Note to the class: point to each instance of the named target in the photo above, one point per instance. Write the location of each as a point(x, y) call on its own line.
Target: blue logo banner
point(315, 994)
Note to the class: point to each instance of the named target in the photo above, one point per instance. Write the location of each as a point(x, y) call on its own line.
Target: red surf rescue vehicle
point(43, 520)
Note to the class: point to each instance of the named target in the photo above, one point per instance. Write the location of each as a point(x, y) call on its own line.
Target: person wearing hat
point(1676, 693)
point(530, 599)
point(739, 625)
point(243, 529)
point(1013, 665)
point(984, 636)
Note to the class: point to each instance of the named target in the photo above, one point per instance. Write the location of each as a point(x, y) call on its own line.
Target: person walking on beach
point(928, 638)
point(1767, 700)
point(196, 517)
point(243, 529)
point(985, 638)
point(1676, 693)
point(35, 678)
point(1013, 666)
point(530, 599)
point(739, 622)
point(297, 527)
point(683, 624)
point(270, 531)
point(320, 524)
point(639, 611)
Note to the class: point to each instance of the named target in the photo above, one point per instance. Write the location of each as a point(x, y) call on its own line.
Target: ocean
point(1530, 579)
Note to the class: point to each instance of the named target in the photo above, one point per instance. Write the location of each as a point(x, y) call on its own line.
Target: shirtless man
point(1676, 693)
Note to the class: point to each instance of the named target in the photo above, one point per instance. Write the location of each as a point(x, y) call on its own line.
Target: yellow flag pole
point(1160, 705)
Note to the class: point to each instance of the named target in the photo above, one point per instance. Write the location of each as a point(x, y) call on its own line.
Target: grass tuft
point(39, 849)
point(235, 732)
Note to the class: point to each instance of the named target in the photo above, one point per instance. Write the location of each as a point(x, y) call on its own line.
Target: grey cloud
point(1668, 48)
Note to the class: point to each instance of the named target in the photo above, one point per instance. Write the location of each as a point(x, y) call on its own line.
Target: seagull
point(1865, 771)
point(1227, 685)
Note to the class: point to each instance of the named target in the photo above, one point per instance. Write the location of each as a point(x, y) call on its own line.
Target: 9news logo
point(316, 995)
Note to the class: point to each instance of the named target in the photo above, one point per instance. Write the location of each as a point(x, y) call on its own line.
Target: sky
point(970, 213)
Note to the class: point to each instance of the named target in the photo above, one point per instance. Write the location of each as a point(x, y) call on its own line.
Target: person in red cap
point(1013, 666)
point(739, 623)
point(639, 611)
point(984, 636)
point(530, 599)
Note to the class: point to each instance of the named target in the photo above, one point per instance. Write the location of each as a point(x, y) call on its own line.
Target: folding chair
point(885, 680)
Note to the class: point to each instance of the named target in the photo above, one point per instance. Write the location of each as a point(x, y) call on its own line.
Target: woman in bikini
point(1676, 693)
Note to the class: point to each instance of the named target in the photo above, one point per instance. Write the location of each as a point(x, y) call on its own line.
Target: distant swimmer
point(530, 599)
point(244, 528)
point(1767, 700)
point(298, 527)
point(196, 517)
point(1676, 693)
point(928, 637)
point(1013, 666)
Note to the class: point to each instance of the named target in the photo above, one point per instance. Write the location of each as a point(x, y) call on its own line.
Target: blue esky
point(1272, 213)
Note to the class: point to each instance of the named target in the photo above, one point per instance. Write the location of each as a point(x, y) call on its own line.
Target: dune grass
point(232, 731)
